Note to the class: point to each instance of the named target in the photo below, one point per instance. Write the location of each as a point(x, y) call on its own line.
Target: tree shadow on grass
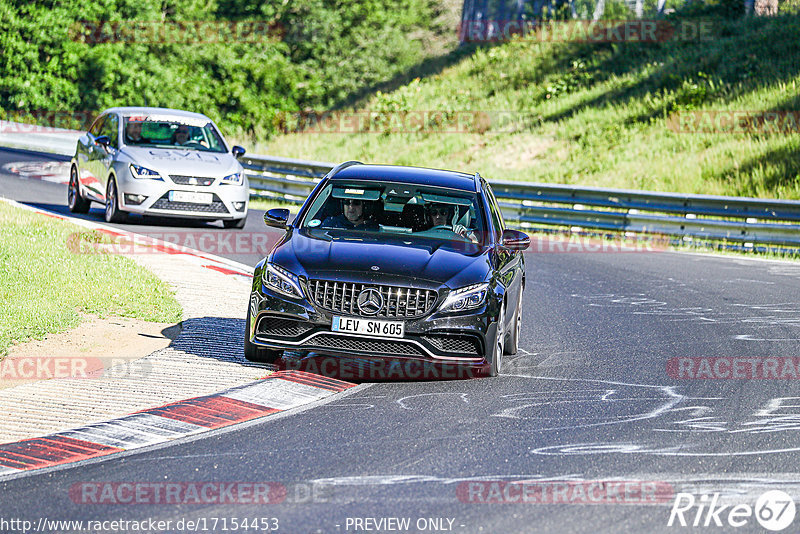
point(775, 170)
point(690, 73)
point(426, 68)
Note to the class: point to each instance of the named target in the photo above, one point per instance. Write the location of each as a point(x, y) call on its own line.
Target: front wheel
point(113, 213)
point(76, 203)
point(513, 337)
point(496, 361)
point(255, 353)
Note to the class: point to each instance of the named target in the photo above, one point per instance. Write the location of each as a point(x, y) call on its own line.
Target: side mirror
point(103, 140)
point(516, 240)
point(277, 218)
point(237, 151)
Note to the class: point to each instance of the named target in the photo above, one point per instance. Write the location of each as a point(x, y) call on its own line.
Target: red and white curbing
point(208, 261)
point(276, 393)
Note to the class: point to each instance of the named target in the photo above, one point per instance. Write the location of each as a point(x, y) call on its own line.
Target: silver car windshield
point(400, 209)
point(171, 132)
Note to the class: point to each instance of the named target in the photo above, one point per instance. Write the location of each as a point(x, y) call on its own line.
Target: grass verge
point(45, 286)
point(592, 114)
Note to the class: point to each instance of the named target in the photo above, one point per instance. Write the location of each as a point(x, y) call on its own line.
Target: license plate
point(369, 327)
point(188, 196)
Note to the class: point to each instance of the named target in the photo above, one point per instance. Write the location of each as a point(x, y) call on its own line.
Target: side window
point(497, 216)
point(111, 129)
point(98, 123)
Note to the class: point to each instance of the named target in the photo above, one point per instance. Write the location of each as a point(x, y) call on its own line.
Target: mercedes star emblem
point(370, 301)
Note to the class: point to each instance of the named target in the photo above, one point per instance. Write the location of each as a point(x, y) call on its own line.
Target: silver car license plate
point(369, 327)
point(189, 196)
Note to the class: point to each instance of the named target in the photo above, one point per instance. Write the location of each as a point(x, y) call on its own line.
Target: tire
point(513, 336)
point(235, 223)
point(496, 361)
point(76, 203)
point(255, 353)
point(113, 213)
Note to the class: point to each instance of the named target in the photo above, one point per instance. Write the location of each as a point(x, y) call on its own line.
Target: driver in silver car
point(133, 133)
point(181, 135)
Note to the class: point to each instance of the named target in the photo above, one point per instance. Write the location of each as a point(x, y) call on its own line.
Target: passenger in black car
point(354, 215)
point(439, 214)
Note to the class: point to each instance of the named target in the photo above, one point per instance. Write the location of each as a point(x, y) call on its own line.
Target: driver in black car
point(440, 215)
point(354, 215)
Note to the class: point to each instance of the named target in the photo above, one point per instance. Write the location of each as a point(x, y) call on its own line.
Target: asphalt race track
point(597, 401)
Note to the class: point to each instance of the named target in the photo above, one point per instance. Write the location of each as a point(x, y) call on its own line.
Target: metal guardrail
point(526, 205)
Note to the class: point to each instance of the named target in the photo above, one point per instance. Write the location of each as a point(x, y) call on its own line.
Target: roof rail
point(342, 166)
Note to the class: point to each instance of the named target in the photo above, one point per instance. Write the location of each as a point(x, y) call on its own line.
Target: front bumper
point(279, 322)
point(228, 201)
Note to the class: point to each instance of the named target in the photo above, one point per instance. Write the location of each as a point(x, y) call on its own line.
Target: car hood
point(186, 162)
point(322, 254)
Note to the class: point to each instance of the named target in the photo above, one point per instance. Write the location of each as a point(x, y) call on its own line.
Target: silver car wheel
point(111, 201)
point(72, 192)
point(113, 213)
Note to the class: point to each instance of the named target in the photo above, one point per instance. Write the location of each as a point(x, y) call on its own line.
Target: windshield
point(182, 133)
point(398, 209)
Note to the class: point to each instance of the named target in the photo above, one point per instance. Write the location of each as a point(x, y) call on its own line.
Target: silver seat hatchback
point(157, 161)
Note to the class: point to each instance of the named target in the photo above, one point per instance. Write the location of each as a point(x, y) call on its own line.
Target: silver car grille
point(398, 302)
point(191, 180)
point(163, 203)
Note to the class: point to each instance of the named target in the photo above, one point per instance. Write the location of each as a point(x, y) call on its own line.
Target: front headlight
point(282, 281)
point(144, 173)
point(465, 298)
point(233, 179)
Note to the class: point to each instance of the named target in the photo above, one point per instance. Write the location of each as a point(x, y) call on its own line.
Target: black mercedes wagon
point(391, 262)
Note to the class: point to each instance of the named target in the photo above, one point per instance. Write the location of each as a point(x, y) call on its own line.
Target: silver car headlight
point(465, 298)
point(143, 173)
point(233, 179)
point(282, 281)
